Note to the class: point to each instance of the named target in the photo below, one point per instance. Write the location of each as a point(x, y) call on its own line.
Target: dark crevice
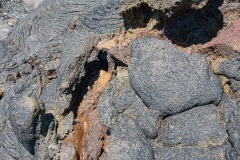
point(96, 62)
point(1, 96)
point(164, 117)
point(11, 78)
point(108, 132)
point(102, 151)
point(118, 63)
point(109, 61)
point(139, 17)
point(18, 76)
point(48, 124)
point(194, 26)
point(184, 28)
point(52, 72)
point(81, 89)
point(92, 71)
point(103, 59)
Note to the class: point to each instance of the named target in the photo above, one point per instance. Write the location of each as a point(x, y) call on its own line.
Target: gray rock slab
point(10, 147)
point(110, 95)
point(65, 126)
point(26, 114)
point(200, 126)
point(228, 106)
point(170, 81)
point(119, 98)
point(230, 68)
point(233, 130)
point(128, 142)
point(148, 122)
point(188, 154)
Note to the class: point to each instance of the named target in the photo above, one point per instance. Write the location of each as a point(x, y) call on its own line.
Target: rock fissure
point(114, 79)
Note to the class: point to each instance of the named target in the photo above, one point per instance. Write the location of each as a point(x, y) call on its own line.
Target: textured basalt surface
point(119, 79)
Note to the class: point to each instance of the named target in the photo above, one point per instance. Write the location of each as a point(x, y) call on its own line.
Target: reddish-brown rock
point(88, 136)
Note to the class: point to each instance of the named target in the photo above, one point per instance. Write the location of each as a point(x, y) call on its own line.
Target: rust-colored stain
point(86, 117)
point(103, 79)
point(106, 143)
point(77, 138)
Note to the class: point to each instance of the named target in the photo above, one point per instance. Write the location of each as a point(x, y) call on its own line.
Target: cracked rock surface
point(119, 80)
point(197, 132)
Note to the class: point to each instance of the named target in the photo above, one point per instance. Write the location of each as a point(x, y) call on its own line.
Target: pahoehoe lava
point(119, 79)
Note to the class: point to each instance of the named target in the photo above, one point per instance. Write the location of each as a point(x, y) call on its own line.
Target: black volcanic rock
point(170, 81)
point(196, 127)
point(166, 105)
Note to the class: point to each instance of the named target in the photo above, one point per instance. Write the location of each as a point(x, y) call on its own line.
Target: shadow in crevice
point(92, 71)
point(194, 26)
point(103, 59)
point(102, 151)
point(48, 124)
point(100, 60)
point(139, 17)
point(108, 61)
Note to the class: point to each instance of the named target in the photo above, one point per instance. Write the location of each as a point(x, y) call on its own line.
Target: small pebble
point(11, 22)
